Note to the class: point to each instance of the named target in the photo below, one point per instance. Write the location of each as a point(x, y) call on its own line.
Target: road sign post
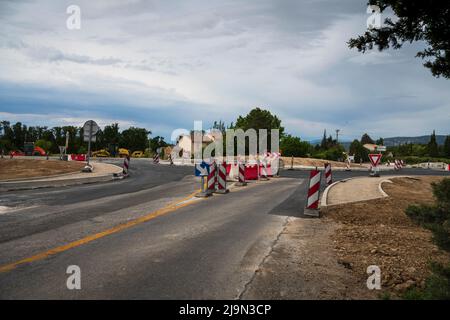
point(90, 130)
point(375, 160)
point(202, 170)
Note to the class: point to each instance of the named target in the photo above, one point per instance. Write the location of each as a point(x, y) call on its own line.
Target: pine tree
point(447, 147)
point(323, 144)
point(433, 150)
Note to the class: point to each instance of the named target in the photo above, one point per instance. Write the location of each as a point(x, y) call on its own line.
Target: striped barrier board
point(314, 190)
point(328, 175)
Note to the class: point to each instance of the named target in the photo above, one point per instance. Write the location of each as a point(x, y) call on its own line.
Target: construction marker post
point(156, 158)
point(212, 178)
point(170, 159)
point(328, 174)
point(241, 175)
point(312, 201)
point(126, 166)
point(263, 171)
point(222, 178)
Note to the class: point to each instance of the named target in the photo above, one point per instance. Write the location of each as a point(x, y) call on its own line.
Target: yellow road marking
point(40, 256)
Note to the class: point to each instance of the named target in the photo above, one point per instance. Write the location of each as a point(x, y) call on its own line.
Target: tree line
point(14, 137)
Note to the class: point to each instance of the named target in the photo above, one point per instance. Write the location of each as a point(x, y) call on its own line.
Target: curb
point(384, 194)
point(323, 200)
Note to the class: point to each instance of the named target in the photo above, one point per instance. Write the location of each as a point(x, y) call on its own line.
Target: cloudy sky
point(163, 64)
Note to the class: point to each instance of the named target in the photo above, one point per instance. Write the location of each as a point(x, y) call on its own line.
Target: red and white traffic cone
point(222, 178)
point(241, 175)
point(212, 178)
point(312, 202)
point(126, 165)
point(328, 175)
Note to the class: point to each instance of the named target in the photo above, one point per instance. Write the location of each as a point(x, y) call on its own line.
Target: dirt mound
point(32, 168)
point(315, 162)
point(378, 232)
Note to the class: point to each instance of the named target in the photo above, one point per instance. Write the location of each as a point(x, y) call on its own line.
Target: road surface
point(145, 237)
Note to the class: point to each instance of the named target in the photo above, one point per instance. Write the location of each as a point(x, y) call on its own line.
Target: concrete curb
point(323, 200)
point(384, 194)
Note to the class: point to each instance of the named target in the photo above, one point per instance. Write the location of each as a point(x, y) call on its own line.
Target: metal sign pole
point(89, 143)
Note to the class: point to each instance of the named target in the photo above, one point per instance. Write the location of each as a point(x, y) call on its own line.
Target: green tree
point(380, 142)
point(260, 119)
point(134, 139)
point(366, 139)
point(447, 147)
point(323, 143)
point(357, 149)
point(417, 20)
point(44, 144)
point(294, 146)
point(433, 150)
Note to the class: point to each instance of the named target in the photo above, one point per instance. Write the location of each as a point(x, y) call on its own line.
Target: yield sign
point(375, 159)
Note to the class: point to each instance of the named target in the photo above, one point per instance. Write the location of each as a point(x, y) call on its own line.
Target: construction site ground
point(30, 168)
point(327, 258)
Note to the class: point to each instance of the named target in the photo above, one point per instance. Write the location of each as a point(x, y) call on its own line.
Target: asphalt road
point(193, 249)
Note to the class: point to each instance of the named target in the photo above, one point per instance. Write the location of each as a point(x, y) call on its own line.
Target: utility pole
point(337, 135)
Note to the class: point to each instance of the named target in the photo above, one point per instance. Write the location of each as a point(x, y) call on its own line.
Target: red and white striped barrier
point(251, 172)
point(314, 190)
point(328, 175)
point(241, 175)
point(402, 163)
point(397, 165)
point(222, 178)
point(212, 178)
point(447, 167)
point(263, 171)
point(126, 165)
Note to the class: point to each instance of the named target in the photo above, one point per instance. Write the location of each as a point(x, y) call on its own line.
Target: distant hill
point(395, 141)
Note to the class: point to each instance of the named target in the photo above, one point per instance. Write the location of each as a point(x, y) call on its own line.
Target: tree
point(157, 142)
point(294, 146)
point(323, 143)
point(366, 139)
point(260, 119)
point(418, 20)
point(134, 139)
point(380, 142)
point(44, 144)
point(447, 147)
point(357, 149)
point(433, 150)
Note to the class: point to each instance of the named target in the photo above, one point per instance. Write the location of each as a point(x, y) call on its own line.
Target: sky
point(163, 64)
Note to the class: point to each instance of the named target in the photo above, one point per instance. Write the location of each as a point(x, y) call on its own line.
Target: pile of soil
point(378, 232)
point(32, 168)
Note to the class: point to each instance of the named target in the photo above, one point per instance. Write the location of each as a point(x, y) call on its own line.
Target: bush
point(437, 286)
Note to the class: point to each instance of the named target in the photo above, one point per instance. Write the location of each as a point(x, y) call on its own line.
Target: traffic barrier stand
point(222, 179)
point(312, 201)
point(347, 166)
point(241, 175)
point(328, 174)
point(397, 165)
point(251, 172)
point(402, 163)
point(447, 167)
point(170, 159)
point(126, 166)
point(156, 158)
point(263, 172)
point(212, 178)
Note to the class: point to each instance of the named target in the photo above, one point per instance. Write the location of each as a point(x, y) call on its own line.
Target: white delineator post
point(328, 175)
point(312, 202)
point(241, 175)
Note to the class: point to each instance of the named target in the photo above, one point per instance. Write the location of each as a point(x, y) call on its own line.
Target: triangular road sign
point(375, 159)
